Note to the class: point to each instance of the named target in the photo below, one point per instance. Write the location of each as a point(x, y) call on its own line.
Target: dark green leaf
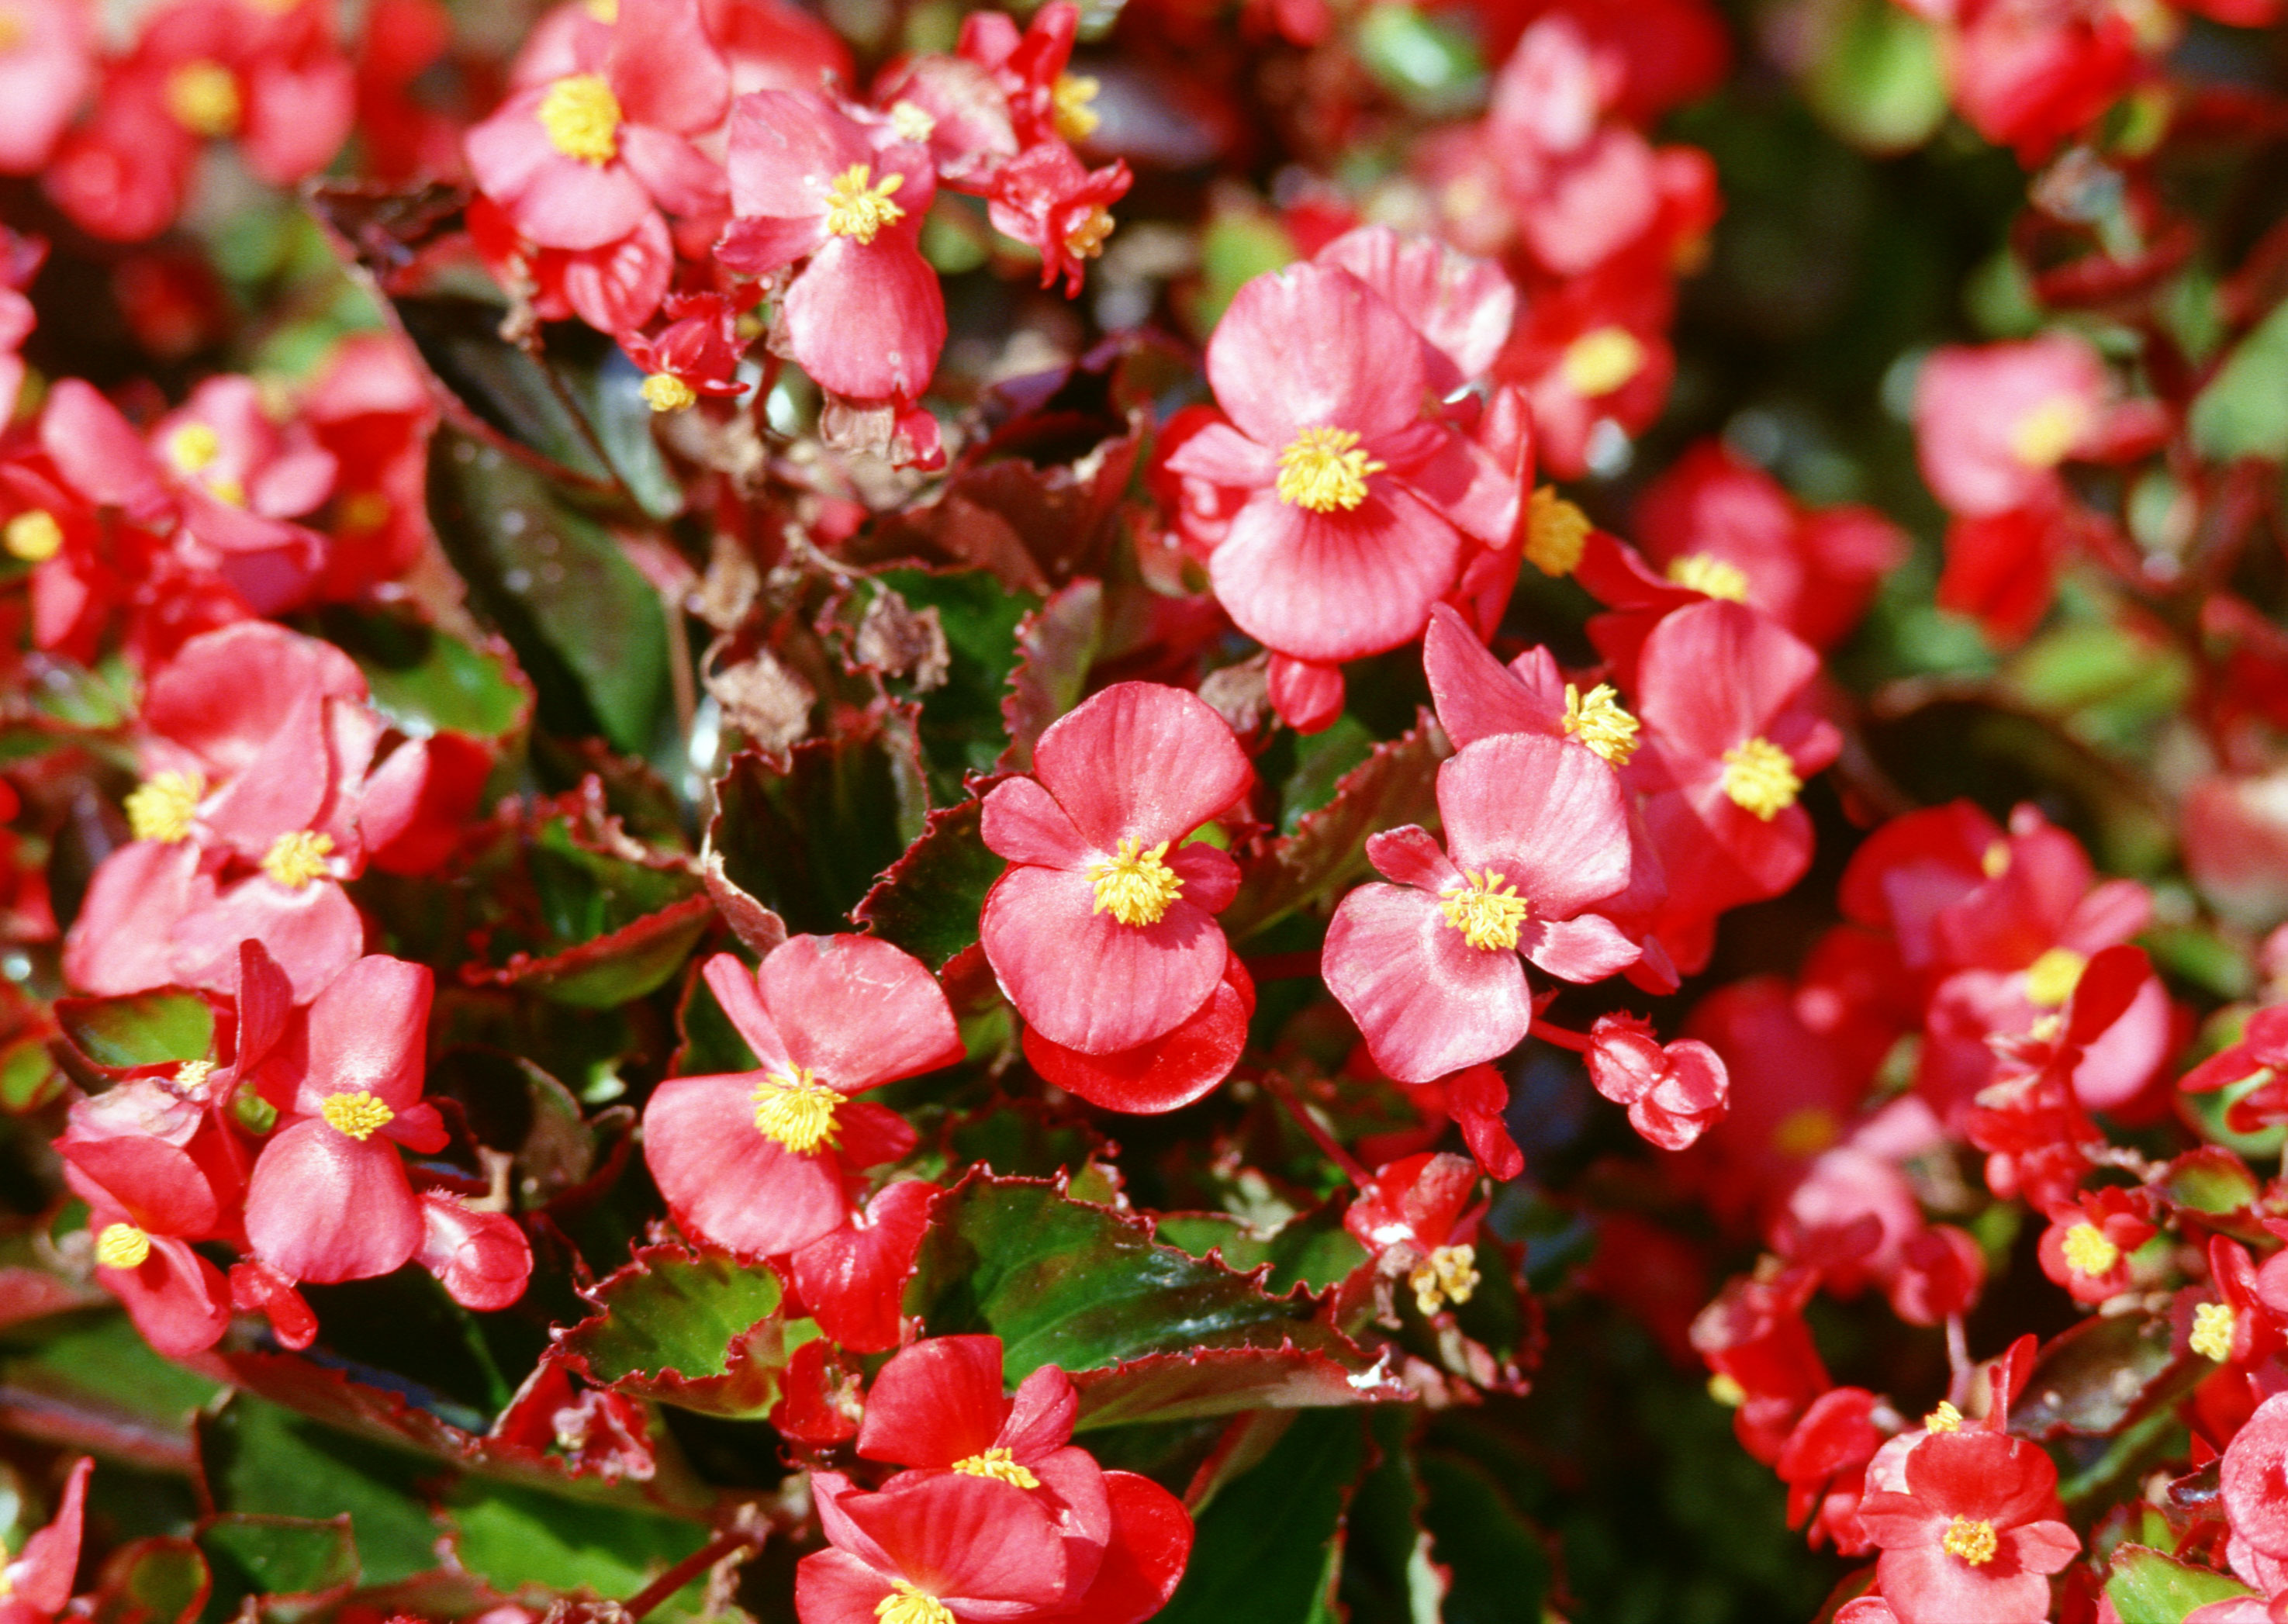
point(960, 726)
point(516, 1538)
point(809, 841)
point(2095, 1377)
point(929, 901)
point(156, 1028)
point(1313, 1249)
point(428, 681)
point(1500, 1569)
point(162, 1581)
point(693, 1329)
point(96, 1383)
point(1056, 643)
point(276, 1557)
point(1266, 1547)
point(258, 1459)
point(2146, 1587)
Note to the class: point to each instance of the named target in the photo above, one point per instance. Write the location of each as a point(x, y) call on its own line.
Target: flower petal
point(1426, 1000)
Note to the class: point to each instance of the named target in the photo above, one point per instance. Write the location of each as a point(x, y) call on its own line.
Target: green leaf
point(1387, 1570)
point(156, 1028)
point(929, 900)
point(96, 1385)
point(807, 841)
point(2244, 411)
point(29, 1077)
point(1056, 644)
point(1500, 1570)
point(427, 681)
point(585, 624)
point(2210, 1180)
point(1312, 1249)
point(2146, 1587)
point(2097, 1377)
point(515, 1539)
point(258, 1459)
point(1876, 76)
point(1148, 1332)
point(161, 1580)
point(1266, 1547)
point(960, 727)
point(272, 1556)
point(687, 1328)
point(1430, 66)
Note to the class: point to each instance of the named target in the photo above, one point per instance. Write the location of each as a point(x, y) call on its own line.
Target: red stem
point(1320, 1137)
point(1564, 1037)
point(684, 1572)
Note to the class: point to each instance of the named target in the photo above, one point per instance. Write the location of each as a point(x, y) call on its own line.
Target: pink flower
point(1993, 422)
point(146, 1202)
point(759, 1162)
point(329, 1200)
point(697, 354)
point(582, 161)
point(1045, 197)
point(1103, 932)
point(1045, 103)
point(40, 1580)
point(1973, 1535)
point(865, 316)
point(2253, 1480)
point(1429, 967)
point(1413, 1216)
point(46, 67)
point(1673, 1092)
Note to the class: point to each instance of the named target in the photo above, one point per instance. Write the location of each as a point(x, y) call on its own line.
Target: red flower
point(1462, 306)
point(38, 1585)
point(1102, 930)
point(1429, 967)
point(482, 1259)
point(581, 161)
point(2086, 1248)
point(1824, 1465)
point(2028, 74)
point(759, 1162)
point(1478, 698)
point(329, 1200)
point(2262, 1053)
point(853, 1279)
point(612, 288)
point(46, 70)
point(696, 354)
point(1673, 1092)
point(1045, 197)
point(1412, 1217)
point(2253, 1481)
point(1755, 1341)
point(1593, 357)
point(1993, 422)
point(1975, 1534)
point(145, 1201)
point(866, 316)
point(1045, 103)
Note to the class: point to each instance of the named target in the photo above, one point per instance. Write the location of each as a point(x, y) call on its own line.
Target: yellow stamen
point(1486, 909)
point(858, 206)
point(358, 1116)
point(1946, 1418)
point(663, 391)
point(796, 1109)
point(999, 1465)
point(363, 512)
point(1555, 531)
point(605, 12)
point(12, 35)
point(2212, 1328)
point(1995, 861)
point(1449, 1274)
point(1973, 1541)
point(912, 122)
point(2051, 979)
point(161, 808)
point(2088, 1251)
point(203, 98)
point(907, 1604)
point(1706, 573)
point(1727, 1391)
point(1134, 885)
point(581, 117)
point(1323, 469)
point(192, 1075)
point(33, 537)
point(122, 1245)
point(296, 859)
point(193, 449)
point(2046, 434)
point(1597, 720)
point(1806, 1132)
point(1599, 363)
point(1070, 95)
point(1085, 240)
point(1760, 778)
point(2046, 1029)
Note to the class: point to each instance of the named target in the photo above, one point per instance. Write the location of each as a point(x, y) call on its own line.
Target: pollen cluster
point(2046, 434)
point(1705, 571)
point(581, 117)
point(907, 1604)
point(1555, 531)
point(1075, 120)
point(663, 391)
point(193, 449)
point(360, 1115)
point(2212, 1328)
point(1599, 363)
point(161, 808)
point(1087, 239)
point(2051, 979)
point(1001, 1466)
point(33, 536)
point(1448, 1275)
point(1597, 720)
point(796, 1109)
point(203, 97)
point(1946, 1418)
point(1135, 886)
point(295, 859)
point(858, 206)
point(2088, 1251)
point(122, 1245)
point(1486, 909)
point(1973, 1541)
point(1760, 778)
point(1324, 469)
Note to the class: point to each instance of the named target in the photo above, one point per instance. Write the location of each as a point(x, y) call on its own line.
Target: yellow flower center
point(1973, 1541)
point(1323, 469)
point(2046, 434)
point(1134, 885)
point(999, 1465)
point(1555, 531)
point(2088, 1251)
point(362, 512)
point(1597, 720)
point(358, 1116)
point(296, 860)
point(11, 33)
point(203, 98)
point(161, 808)
point(1727, 1391)
point(605, 12)
point(858, 206)
point(1486, 909)
point(2051, 979)
point(663, 391)
point(1806, 1132)
point(1075, 120)
point(912, 122)
point(2212, 1328)
point(193, 449)
point(907, 1604)
point(1599, 363)
point(796, 1109)
point(1946, 1418)
point(1705, 571)
point(1085, 240)
point(122, 1245)
point(33, 537)
point(1994, 862)
point(1449, 1274)
point(581, 117)
point(1760, 778)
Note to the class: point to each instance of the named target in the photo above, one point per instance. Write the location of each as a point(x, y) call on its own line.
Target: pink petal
point(786, 149)
point(1548, 816)
point(735, 988)
point(1166, 1074)
point(1426, 1000)
point(1461, 305)
point(1140, 760)
point(178, 1299)
point(121, 941)
point(314, 933)
point(833, 1587)
point(965, 1539)
point(482, 1259)
point(324, 1207)
point(724, 1181)
point(856, 1011)
point(1022, 822)
point(1412, 856)
point(367, 1031)
point(1223, 457)
point(1586, 947)
point(1334, 586)
point(1715, 673)
point(680, 179)
point(665, 70)
point(98, 452)
point(1313, 346)
point(1477, 695)
point(854, 1280)
point(760, 244)
point(1085, 980)
point(867, 319)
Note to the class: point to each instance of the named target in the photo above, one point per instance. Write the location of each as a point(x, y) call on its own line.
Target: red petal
point(1426, 1000)
point(936, 1403)
point(1140, 761)
point(1085, 980)
point(324, 1207)
point(1167, 1073)
point(854, 1280)
point(724, 1181)
point(856, 1011)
